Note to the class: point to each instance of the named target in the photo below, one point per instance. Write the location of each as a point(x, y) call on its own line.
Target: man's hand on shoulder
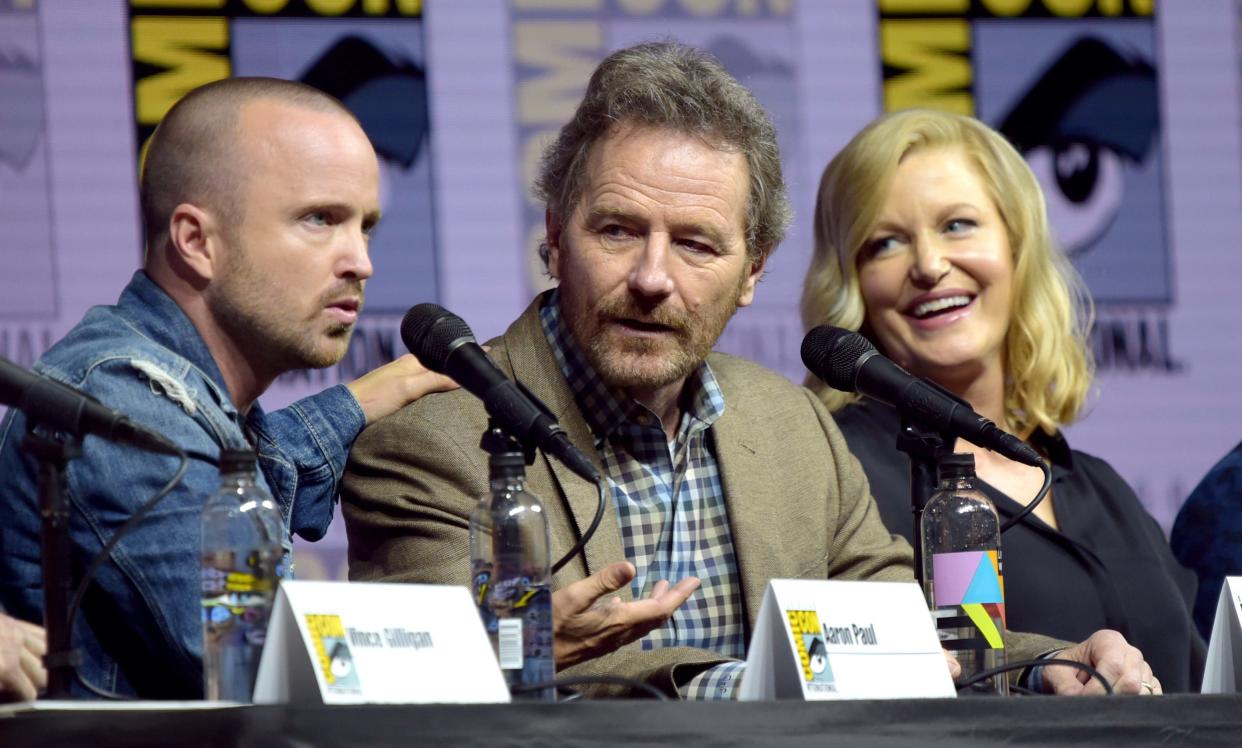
point(588, 627)
point(22, 646)
point(1120, 662)
point(387, 389)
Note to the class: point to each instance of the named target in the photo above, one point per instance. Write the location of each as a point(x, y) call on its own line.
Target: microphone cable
point(105, 553)
point(602, 484)
point(1043, 491)
point(983, 675)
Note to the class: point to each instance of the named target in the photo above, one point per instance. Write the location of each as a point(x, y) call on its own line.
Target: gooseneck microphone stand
point(924, 447)
point(53, 454)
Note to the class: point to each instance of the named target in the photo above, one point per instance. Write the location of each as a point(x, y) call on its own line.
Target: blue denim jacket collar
point(153, 313)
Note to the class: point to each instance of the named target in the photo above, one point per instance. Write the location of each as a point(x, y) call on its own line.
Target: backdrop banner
point(1128, 114)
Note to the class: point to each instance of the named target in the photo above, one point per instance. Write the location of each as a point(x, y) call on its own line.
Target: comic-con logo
point(332, 653)
point(808, 640)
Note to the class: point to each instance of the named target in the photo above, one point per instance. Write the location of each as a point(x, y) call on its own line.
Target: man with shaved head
point(258, 199)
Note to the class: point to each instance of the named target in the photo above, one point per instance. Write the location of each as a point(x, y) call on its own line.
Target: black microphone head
point(834, 355)
point(432, 332)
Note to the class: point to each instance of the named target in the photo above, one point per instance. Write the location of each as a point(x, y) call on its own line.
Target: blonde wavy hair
point(1048, 366)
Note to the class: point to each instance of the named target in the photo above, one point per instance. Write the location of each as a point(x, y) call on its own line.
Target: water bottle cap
point(506, 464)
point(956, 465)
point(237, 461)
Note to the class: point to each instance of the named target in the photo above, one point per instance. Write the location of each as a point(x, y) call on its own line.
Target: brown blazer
point(798, 502)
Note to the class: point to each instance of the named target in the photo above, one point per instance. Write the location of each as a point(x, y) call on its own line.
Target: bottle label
point(968, 577)
point(236, 602)
point(968, 592)
point(517, 614)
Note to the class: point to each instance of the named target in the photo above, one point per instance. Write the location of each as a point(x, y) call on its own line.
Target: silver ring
point(1150, 688)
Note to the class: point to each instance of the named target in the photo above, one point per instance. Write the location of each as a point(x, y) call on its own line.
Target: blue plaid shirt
point(670, 505)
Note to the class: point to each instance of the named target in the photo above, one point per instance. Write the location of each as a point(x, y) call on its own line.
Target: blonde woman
point(931, 239)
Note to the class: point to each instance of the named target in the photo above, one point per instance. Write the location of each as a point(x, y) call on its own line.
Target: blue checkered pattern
point(718, 683)
point(669, 502)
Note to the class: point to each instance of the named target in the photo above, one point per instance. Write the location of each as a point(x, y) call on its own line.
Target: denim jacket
point(139, 630)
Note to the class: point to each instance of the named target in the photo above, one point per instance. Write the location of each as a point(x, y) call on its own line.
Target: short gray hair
point(671, 85)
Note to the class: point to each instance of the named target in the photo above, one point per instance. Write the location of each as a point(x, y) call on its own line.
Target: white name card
point(819, 640)
point(356, 643)
point(1222, 672)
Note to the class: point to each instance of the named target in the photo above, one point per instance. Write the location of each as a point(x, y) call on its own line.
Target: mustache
point(344, 288)
point(659, 314)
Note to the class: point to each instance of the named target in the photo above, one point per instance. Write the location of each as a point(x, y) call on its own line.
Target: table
point(1037, 720)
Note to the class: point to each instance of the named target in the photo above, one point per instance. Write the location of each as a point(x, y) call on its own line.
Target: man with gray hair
point(664, 201)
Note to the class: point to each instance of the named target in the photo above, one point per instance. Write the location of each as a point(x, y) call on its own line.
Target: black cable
point(602, 484)
point(106, 552)
point(983, 675)
point(582, 680)
point(1043, 491)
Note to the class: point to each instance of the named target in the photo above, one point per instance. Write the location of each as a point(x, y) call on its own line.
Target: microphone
point(60, 407)
point(848, 362)
point(443, 343)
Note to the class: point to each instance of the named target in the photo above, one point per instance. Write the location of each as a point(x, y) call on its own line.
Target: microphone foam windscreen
point(430, 331)
point(832, 354)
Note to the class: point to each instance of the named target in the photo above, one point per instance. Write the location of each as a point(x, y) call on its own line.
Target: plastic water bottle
point(241, 553)
point(962, 570)
point(509, 553)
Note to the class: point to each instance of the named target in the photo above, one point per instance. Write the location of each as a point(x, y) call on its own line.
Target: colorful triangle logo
point(985, 586)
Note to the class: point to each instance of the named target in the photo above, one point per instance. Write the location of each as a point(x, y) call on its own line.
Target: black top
point(1107, 567)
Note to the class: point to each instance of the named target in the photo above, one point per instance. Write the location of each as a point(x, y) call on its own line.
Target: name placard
point(1222, 672)
point(356, 643)
point(819, 640)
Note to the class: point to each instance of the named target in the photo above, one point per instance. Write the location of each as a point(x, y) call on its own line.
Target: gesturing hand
point(588, 627)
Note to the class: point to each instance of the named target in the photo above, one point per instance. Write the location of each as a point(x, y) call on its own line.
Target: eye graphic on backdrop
point(1082, 184)
point(1090, 113)
point(386, 91)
